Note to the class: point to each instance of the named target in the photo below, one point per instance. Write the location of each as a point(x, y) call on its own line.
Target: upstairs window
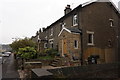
point(75, 20)
point(51, 32)
point(75, 44)
point(90, 38)
point(46, 38)
point(60, 27)
point(62, 24)
point(38, 38)
point(111, 22)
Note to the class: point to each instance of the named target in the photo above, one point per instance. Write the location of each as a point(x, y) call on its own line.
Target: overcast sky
point(22, 18)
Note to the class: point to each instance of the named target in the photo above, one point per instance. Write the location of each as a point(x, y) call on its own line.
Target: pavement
point(9, 70)
point(0, 71)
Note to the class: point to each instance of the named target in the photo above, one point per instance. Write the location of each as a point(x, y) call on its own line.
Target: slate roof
point(70, 30)
point(74, 30)
point(84, 5)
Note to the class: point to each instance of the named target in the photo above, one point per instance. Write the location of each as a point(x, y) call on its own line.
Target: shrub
point(51, 52)
point(27, 52)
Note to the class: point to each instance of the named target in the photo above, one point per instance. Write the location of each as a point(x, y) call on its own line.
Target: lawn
point(46, 57)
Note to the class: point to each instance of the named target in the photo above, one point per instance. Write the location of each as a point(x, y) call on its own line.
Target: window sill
point(90, 44)
point(112, 26)
point(75, 25)
point(75, 48)
point(51, 35)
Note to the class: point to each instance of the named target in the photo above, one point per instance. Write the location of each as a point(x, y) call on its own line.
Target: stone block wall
point(102, 71)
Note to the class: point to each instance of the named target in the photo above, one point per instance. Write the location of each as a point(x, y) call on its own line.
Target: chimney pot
point(67, 9)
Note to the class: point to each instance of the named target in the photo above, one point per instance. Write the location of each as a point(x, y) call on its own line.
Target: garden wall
point(102, 71)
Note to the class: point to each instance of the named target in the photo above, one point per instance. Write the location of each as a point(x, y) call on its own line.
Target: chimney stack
point(67, 9)
point(43, 29)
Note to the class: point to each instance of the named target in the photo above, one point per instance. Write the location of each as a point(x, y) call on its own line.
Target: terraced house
point(90, 30)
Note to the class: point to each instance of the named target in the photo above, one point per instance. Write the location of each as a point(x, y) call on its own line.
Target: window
point(46, 38)
point(51, 32)
point(75, 20)
point(51, 43)
point(60, 27)
point(76, 44)
point(62, 24)
point(45, 45)
point(111, 22)
point(90, 38)
point(38, 38)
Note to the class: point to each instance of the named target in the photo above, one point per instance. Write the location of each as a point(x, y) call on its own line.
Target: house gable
point(63, 30)
point(109, 2)
point(70, 30)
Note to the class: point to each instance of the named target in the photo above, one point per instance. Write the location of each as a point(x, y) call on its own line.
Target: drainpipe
point(81, 38)
point(81, 54)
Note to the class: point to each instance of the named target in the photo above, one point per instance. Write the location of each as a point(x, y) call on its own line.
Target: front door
point(64, 47)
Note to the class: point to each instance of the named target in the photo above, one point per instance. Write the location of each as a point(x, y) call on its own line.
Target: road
point(0, 71)
point(8, 68)
point(4, 59)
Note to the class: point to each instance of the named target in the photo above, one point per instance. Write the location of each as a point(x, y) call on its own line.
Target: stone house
point(90, 30)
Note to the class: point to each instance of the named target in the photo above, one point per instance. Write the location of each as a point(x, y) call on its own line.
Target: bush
point(27, 52)
point(51, 52)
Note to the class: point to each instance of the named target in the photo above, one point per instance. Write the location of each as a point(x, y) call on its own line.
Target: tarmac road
point(9, 69)
point(0, 71)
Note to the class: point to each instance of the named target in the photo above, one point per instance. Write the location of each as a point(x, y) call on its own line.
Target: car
point(8, 53)
point(5, 54)
point(1, 59)
point(1, 54)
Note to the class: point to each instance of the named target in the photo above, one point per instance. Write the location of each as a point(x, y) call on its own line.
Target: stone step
point(58, 58)
point(54, 62)
point(54, 65)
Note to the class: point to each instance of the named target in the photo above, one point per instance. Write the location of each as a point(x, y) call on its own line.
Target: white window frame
point(51, 42)
point(75, 20)
point(45, 45)
point(51, 32)
point(111, 22)
point(92, 33)
point(46, 38)
point(76, 47)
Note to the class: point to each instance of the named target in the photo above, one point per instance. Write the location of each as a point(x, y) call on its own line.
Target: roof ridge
point(91, 1)
point(88, 2)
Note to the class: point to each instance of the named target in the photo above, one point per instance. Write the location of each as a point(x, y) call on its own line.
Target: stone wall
point(89, 71)
point(99, 72)
point(66, 44)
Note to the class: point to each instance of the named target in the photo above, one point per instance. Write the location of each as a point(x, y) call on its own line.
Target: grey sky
point(22, 18)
